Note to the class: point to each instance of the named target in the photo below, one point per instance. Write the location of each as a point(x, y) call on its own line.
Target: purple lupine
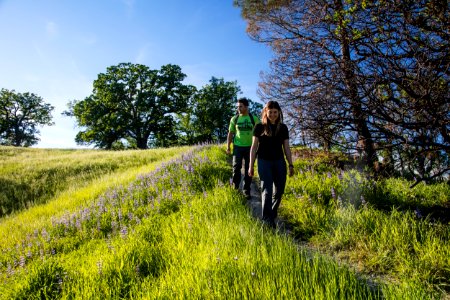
point(9, 270)
point(333, 193)
point(22, 261)
point(418, 213)
point(123, 231)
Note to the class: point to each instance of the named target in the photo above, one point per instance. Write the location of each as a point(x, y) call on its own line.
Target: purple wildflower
point(22, 261)
point(418, 213)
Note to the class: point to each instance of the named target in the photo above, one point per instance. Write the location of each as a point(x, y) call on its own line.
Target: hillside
point(165, 224)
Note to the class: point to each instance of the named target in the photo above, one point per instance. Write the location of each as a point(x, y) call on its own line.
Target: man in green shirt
point(240, 133)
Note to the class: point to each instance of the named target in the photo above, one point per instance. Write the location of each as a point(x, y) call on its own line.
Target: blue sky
point(56, 48)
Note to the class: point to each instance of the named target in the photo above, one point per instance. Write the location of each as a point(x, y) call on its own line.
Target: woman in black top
point(271, 144)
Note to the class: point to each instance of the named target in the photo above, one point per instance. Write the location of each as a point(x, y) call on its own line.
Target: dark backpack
point(237, 116)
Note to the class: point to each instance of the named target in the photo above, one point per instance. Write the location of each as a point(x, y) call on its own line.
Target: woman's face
point(272, 114)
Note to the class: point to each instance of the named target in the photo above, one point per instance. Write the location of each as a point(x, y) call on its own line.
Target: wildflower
point(22, 261)
point(9, 270)
point(333, 193)
point(100, 267)
point(418, 213)
point(328, 174)
point(124, 231)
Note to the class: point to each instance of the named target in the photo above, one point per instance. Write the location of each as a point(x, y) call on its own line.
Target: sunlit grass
point(35, 176)
point(336, 212)
point(175, 229)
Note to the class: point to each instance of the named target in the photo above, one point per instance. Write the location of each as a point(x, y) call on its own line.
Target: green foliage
point(180, 232)
point(406, 241)
point(43, 282)
point(213, 109)
point(33, 176)
point(132, 102)
point(20, 115)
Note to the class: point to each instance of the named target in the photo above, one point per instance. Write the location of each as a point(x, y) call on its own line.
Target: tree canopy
point(133, 104)
point(371, 76)
point(212, 108)
point(20, 116)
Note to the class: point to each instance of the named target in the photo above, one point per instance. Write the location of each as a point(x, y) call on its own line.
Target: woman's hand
point(251, 171)
point(291, 171)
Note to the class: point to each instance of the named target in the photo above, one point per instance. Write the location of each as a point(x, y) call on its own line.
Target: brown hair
point(264, 120)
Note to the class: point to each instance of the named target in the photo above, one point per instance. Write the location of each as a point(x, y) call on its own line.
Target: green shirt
point(242, 127)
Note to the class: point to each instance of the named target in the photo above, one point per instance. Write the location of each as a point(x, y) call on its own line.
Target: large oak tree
point(20, 116)
point(131, 102)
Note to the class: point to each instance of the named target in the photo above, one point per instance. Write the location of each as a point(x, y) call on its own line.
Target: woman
point(271, 144)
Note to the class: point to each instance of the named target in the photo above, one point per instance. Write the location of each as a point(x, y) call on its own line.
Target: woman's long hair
point(265, 121)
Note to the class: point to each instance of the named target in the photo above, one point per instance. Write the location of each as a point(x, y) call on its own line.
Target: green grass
point(34, 176)
point(338, 213)
point(178, 231)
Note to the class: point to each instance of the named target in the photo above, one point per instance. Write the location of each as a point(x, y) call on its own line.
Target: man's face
point(241, 108)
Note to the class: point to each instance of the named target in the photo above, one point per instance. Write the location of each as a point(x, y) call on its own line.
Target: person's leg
point(279, 182)
point(237, 166)
point(247, 179)
point(265, 175)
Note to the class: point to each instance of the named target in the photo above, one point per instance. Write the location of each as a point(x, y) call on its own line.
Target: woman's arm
point(288, 154)
point(253, 149)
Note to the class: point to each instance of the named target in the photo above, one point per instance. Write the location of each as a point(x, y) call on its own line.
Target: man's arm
point(230, 137)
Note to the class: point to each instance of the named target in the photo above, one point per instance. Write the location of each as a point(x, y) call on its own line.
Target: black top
point(271, 147)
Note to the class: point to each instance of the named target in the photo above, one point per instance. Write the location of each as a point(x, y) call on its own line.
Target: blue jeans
point(272, 174)
point(240, 153)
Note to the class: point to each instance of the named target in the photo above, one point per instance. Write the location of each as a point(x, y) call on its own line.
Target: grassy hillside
point(174, 228)
point(33, 176)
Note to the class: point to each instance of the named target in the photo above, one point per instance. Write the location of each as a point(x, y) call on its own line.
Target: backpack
point(237, 116)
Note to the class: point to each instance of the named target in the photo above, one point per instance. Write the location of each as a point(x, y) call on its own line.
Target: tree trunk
point(365, 141)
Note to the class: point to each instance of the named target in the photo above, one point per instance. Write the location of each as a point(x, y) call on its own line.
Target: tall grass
point(180, 232)
point(337, 212)
point(177, 232)
point(34, 176)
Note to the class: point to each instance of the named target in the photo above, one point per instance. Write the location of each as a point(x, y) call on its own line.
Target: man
point(240, 133)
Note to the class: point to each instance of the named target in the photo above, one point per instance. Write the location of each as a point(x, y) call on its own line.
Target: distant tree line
point(131, 107)
point(367, 77)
